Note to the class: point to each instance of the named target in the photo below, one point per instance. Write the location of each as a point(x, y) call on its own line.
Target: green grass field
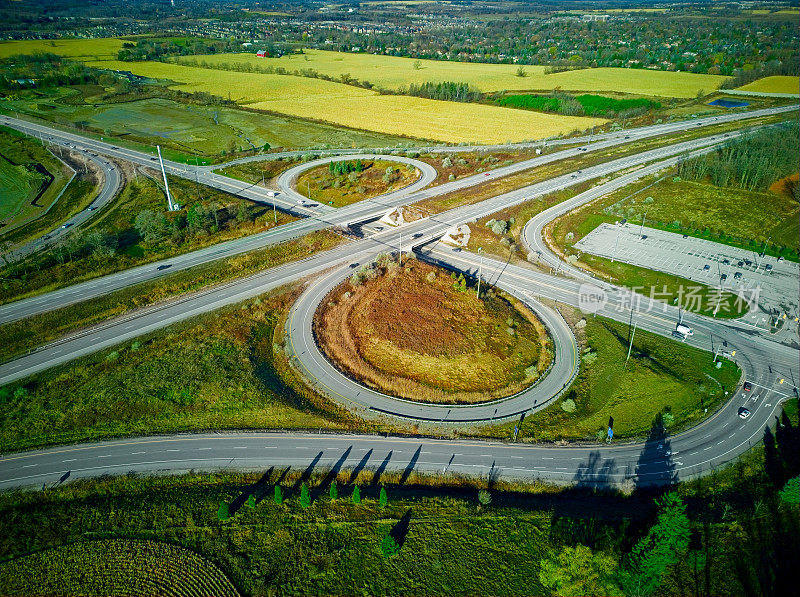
point(662, 376)
point(724, 212)
point(46, 271)
point(114, 567)
point(216, 372)
point(777, 84)
point(392, 72)
point(21, 180)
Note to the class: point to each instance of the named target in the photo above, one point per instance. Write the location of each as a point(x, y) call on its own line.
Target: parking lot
point(772, 283)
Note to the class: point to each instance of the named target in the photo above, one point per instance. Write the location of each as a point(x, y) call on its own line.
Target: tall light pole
point(616, 242)
point(480, 272)
point(164, 174)
point(641, 229)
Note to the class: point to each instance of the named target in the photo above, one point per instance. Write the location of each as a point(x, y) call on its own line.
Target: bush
point(484, 497)
point(305, 496)
point(447, 162)
point(568, 405)
point(356, 495)
point(389, 546)
point(278, 496)
point(223, 513)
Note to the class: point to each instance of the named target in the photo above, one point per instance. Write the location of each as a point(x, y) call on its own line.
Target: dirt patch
point(786, 186)
point(417, 333)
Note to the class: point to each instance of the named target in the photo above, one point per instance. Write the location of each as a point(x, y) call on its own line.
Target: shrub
point(305, 496)
point(223, 513)
point(333, 491)
point(278, 496)
point(568, 405)
point(356, 495)
point(383, 499)
point(389, 546)
point(484, 497)
point(447, 162)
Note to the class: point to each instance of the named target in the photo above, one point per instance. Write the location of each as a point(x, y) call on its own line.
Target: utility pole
point(400, 256)
point(630, 346)
point(164, 174)
point(480, 272)
point(641, 229)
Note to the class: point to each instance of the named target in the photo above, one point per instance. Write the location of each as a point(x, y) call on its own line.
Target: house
point(261, 53)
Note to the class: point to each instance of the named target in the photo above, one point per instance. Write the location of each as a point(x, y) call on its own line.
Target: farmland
point(389, 72)
point(114, 567)
point(776, 84)
point(416, 333)
point(355, 107)
point(189, 128)
point(79, 49)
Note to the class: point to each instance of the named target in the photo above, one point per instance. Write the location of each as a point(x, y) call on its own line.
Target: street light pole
point(641, 229)
point(480, 272)
point(616, 242)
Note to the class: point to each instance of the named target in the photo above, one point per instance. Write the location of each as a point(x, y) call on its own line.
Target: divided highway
point(316, 218)
point(696, 451)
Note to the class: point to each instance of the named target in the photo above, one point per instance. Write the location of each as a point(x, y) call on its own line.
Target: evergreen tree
point(333, 491)
point(223, 513)
point(356, 495)
point(251, 500)
point(383, 499)
point(305, 496)
point(278, 498)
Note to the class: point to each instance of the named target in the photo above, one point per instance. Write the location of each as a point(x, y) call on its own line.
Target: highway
point(416, 233)
point(710, 444)
point(112, 181)
point(315, 218)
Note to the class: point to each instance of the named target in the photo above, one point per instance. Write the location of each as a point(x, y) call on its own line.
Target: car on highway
point(163, 267)
point(91, 208)
point(66, 225)
point(417, 234)
point(743, 412)
point(353, 265)
point(747, 386)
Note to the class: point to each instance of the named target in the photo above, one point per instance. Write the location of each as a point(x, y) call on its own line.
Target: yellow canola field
point(359, 108)
point(71, 48)
point(777, 84)
point(391, 72)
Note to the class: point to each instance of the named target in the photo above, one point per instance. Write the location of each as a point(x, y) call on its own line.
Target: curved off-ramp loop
point(112, 181)
point(287, 179)
point(365, 401)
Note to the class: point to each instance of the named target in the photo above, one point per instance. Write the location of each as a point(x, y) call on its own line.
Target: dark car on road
point(747, 386)
point(163, 267)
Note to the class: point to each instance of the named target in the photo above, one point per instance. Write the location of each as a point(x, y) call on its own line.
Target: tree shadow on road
point(596, 473)
point(656, 465)
point(410, 467)
point(359, 467)
point(332, 474)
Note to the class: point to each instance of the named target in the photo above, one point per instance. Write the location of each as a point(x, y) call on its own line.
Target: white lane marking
point(137, 453)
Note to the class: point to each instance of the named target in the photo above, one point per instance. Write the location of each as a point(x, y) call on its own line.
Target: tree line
point(445, 90)
point(752, 162)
